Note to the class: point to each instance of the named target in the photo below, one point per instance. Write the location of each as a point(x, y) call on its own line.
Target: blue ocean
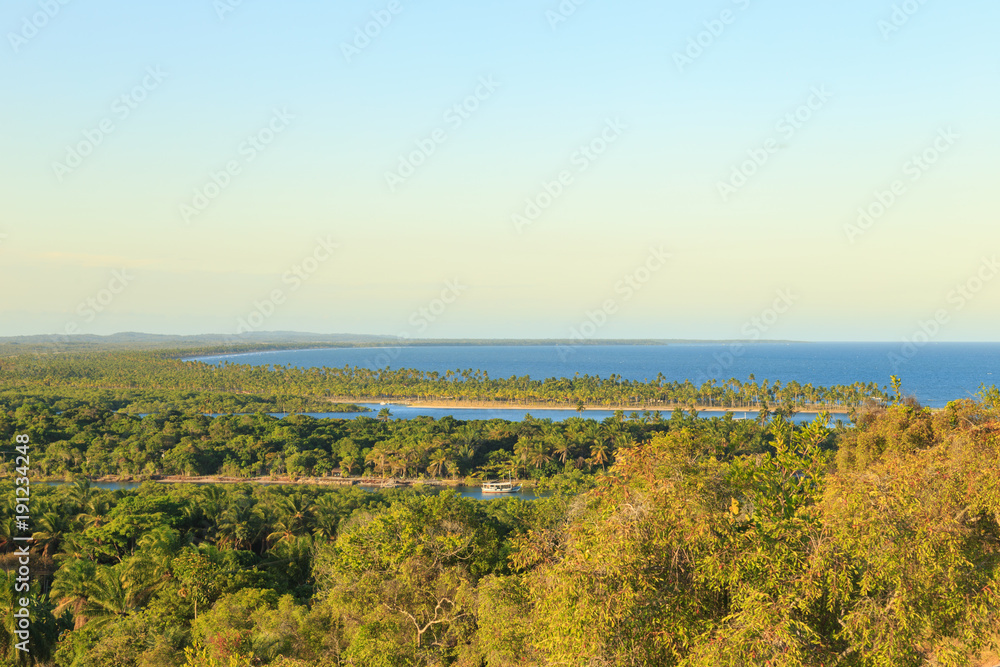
point(934, 374)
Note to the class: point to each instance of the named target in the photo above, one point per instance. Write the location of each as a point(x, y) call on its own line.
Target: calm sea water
point(935, 373)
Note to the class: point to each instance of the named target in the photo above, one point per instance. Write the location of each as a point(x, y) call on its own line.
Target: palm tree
point(240, 525)
point(498, 431)
point(94, 511)
point(466, 455)
point(522, 451)
point(395, 464)
point(77, 546)
point(297, 511)
point(599, 453)
point(438, 463)
point(214, 500)
point(53, 527)
point(149, 569)
point(326, 527)
point(539, 454)
point(468, 435)
point(8, 531)
point(81, 493)
point(621, 440)
point(44, 630)
point(72, 586)
point(327, 518)
point(561, 449)
point(109, 597)
point(347, 465)
point(377, 457)
point(293, 556)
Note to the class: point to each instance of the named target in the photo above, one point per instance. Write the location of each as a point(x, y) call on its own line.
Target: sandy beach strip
point(444, 404)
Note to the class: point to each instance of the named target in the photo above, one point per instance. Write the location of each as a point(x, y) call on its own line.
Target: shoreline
point(279, 480)
point(445, 404)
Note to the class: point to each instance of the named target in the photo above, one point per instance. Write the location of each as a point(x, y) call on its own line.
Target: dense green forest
point(665, 538)
point(703, 542)
point(130, 375)
point(95, 442)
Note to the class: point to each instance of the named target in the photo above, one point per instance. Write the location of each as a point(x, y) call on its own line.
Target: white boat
point(500, 487)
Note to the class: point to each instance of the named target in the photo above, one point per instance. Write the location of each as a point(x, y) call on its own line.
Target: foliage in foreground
point(682, 559)
point(693, 549)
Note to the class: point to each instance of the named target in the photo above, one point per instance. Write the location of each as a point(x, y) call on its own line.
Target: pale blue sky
point(344, 123)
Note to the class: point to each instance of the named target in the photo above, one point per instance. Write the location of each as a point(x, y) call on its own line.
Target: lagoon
point(473, 492)
point(403, 411)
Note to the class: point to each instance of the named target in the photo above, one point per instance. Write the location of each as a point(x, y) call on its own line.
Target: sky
point(724, 169)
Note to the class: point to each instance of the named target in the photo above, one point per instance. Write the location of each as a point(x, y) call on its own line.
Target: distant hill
point(198, 339)
point(129, 340)
point(270, 340)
